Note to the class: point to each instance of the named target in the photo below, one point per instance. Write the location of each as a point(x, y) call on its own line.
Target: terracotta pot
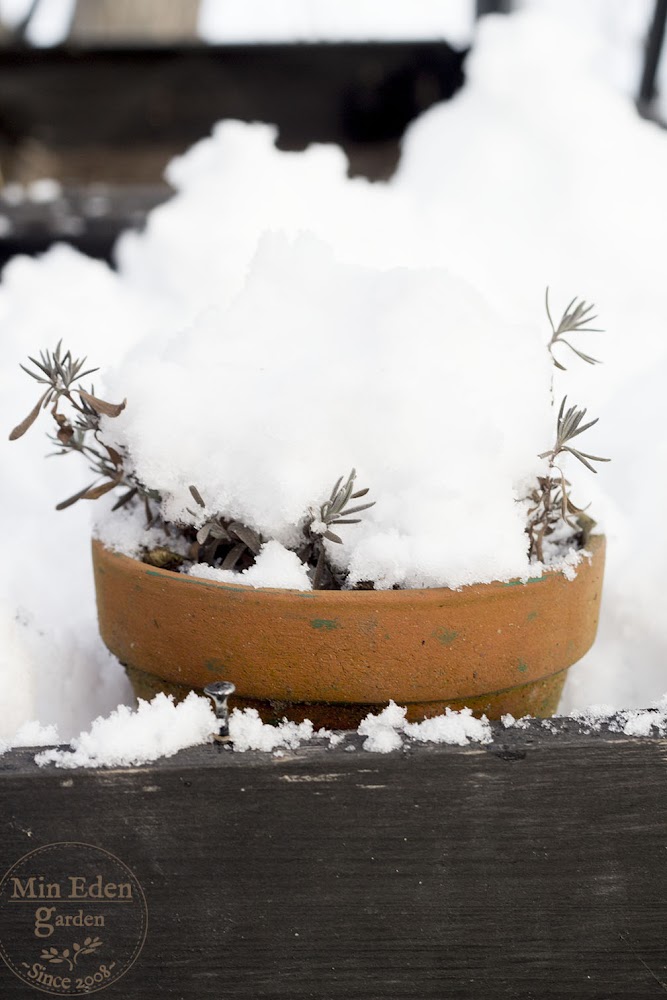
point(333, 656)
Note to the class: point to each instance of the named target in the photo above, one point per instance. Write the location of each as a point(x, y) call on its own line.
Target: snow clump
point(248, 732)
point(159, 728)
point(383, 731)
point(275, 566)
point(630, 722)
point(30, 734)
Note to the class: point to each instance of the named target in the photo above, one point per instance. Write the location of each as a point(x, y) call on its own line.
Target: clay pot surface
point(333, 656)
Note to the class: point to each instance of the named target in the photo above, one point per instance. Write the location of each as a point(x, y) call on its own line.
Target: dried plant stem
point(334, 511)
point(575, 319)
point(552, 504)
point(79, 430)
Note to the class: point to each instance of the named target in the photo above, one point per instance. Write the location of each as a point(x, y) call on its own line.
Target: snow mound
point(30, 734)
point(318, 366)
point(248, 732)
point(383, 731)
point(630, 722)
point(158, 728)
point(275, 566)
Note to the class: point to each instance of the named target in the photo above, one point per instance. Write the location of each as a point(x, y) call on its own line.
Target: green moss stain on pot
point(326, 624)
point(547, 706)
point(522, 583)
point(216, 666)
point(522, 666)
point(531, 616)
point(445, 636)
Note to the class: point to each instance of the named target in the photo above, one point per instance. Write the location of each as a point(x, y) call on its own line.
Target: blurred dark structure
point(115, 117)
point(483, 7)
point(133, 86)
point(648, 90)
point(118, 114)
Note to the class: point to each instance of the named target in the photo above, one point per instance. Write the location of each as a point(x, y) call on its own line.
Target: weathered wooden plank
point(535, 867)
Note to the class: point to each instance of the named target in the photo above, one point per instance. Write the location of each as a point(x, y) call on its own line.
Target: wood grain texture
point(535, 867)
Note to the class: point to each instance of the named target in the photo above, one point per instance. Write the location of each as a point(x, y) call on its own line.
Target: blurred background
point(96, 96)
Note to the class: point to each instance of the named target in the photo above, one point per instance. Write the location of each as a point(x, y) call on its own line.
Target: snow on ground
point(538, 172)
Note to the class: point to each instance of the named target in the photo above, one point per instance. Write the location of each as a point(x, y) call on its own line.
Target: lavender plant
point(226, 543)
point(334, 511)
point(552, 509)
point(223, 542)
point(78, 430)
point(575, 319)
point(219, 541)
point(552, 505)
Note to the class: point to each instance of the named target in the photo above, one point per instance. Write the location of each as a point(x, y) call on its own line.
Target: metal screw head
point(219, 692)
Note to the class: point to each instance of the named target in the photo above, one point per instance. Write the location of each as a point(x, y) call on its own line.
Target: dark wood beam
point(534, 867)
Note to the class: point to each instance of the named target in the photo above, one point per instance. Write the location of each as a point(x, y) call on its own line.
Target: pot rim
point(594, 547)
